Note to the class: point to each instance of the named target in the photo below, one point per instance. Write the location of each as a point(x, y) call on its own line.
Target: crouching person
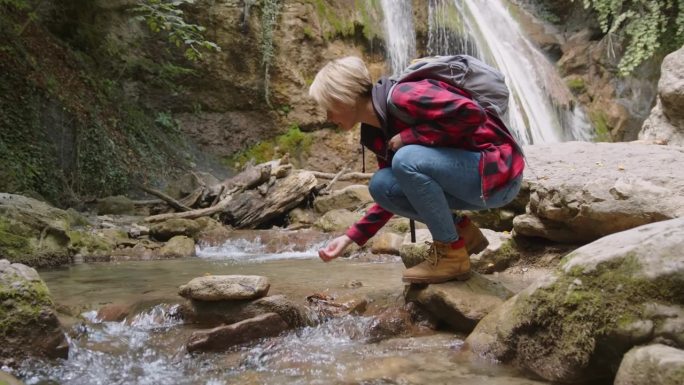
point(453, 155)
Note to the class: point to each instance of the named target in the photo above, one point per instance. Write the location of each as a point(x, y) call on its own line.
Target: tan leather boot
point(445, 262)
point(475, 241)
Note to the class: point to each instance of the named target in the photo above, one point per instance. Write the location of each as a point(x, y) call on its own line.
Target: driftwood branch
point(172, 202)
point(191, 200)
point(349, 176)
point(327, 188)
point(247, 179)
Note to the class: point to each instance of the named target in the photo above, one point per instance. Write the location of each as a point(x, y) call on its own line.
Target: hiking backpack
point(485, 84)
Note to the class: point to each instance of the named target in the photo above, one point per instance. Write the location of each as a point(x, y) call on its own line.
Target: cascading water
point(541, 108)
point(401, 41)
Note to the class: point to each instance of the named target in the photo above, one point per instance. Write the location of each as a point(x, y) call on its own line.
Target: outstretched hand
point(334, 248)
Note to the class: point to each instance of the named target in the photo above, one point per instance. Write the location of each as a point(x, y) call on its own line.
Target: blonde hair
point(341, 80)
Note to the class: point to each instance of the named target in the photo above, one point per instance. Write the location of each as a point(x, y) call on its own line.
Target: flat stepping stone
point(225, 288)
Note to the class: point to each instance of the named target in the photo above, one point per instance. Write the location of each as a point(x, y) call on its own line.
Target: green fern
point(166, 16)
point(646, 25)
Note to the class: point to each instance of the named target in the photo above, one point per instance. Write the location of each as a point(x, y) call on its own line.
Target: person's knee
point(379, 185)
point(405, 158)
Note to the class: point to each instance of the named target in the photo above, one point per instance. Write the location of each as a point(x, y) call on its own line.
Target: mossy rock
point(168, 229)
point(117, 205)
point(575, 325)
point(33, 232)
point(90, 244)
point(28, 322)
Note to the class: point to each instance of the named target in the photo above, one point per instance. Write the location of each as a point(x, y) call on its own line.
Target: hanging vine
point(269, 17)
point(166, 16)
point(647, 25)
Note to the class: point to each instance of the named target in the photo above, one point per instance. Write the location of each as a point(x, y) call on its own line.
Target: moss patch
point(20, 244)
point(600, 123)
point(81, 241)
point(22, 304)
point(567, 319)
point(294, 141)
point(576, 85)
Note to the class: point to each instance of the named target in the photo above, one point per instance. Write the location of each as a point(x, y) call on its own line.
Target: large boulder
point(178, 247)
point(33, 232)
point(623, 290)
point(582, 191)
point(460, 305)
point(652, 365)
point(666, 122)
point(28, 321)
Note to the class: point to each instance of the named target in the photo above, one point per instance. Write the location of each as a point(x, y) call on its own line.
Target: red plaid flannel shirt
point(443, 116)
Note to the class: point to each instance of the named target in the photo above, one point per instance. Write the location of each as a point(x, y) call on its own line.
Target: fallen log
point(249, 209)
point(328, 188)
point(172, 202)
point(247, 179)
point(345, 177)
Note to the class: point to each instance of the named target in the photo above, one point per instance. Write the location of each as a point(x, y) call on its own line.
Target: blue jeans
point(426, 183)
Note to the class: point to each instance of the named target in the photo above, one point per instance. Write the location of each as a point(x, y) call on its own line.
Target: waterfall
point(400, 35)
point(541, 108)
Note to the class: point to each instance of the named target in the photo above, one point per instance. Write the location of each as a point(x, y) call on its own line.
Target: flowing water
point(399, 36)
point(541, 108)
point(148, 348)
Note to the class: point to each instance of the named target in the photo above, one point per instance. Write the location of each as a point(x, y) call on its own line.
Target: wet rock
point(577, 323)
point(326, 306)
point(8, 379)
point(225, 288)
point(652, 365)
point(141, 250)
point(28, 320)
point(178, 247)
point(114, 312)
point(90, 245)
point(499, 254)
point(461, 305)
point(387, 243)
point(414, 253)
point(301, 218)
point(582, 191)
point(137, 231)
point(337, 220)
point(223, 337)
point(351, 198)
point(213, 232)
point(227, 312)
point(666, 122)
point(33, 232)
point(392, 322)
point(170, 228)
point(118, 205)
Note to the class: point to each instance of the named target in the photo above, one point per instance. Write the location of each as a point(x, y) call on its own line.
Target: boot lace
point(433, 255)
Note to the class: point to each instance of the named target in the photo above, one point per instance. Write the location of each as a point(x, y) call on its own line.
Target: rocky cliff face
point(244, 94)
point(588, 61)
point(666, 122)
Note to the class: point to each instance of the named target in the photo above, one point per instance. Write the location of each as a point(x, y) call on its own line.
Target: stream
point(148, 347)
